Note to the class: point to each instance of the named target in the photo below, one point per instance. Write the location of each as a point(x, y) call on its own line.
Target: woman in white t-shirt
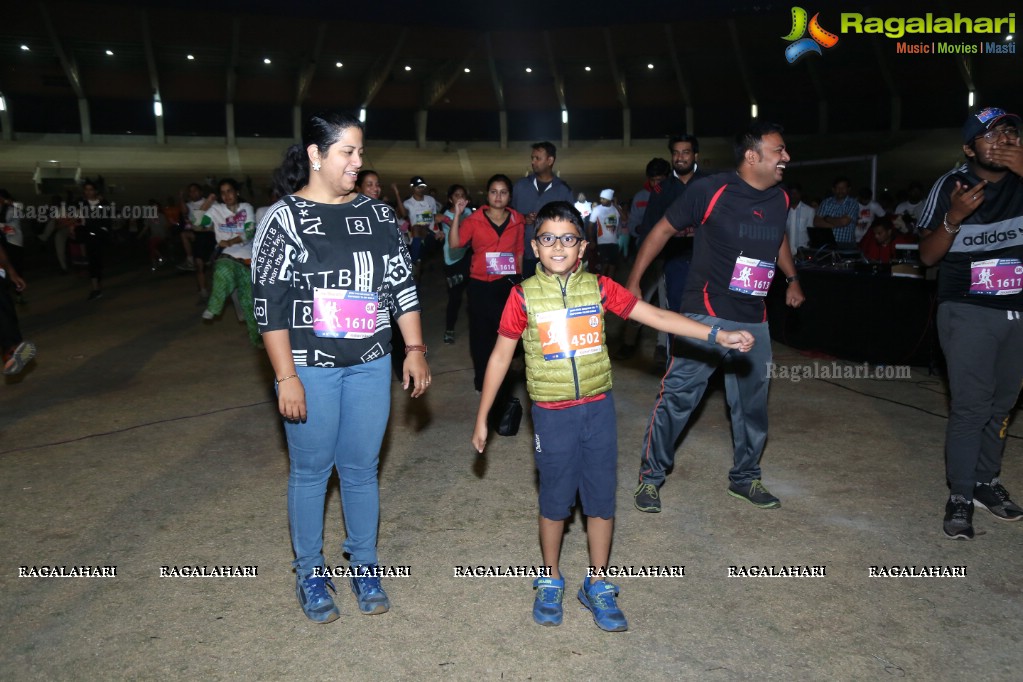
point(233, 228)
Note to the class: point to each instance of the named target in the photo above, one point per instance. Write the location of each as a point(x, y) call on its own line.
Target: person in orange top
point(496, 234)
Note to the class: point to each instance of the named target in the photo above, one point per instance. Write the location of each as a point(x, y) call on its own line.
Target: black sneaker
point(647, 499)
point(449, 336)
point(995, 498)
point(755, 493)
point(959, 518)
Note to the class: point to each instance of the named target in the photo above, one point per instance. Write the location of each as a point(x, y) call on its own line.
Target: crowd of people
point(873, 227)
point(327, 279)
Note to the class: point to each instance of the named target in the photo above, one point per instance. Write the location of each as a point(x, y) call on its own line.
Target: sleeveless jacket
point(568, 378)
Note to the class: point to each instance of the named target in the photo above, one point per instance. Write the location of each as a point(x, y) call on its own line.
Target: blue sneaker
point(371, 597)
point(314, 599)
point(599, 598)
point(547, 605)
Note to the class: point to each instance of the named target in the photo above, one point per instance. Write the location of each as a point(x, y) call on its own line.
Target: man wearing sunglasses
point(972, 224)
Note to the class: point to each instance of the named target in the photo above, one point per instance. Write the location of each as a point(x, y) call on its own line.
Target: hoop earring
point(316, 165)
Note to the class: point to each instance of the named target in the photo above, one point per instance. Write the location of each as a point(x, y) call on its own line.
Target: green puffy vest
point(568, 378)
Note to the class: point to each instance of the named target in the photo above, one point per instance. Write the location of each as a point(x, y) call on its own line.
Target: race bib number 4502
point(567, 333)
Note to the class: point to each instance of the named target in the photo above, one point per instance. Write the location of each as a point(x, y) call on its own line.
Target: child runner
point(559, 314)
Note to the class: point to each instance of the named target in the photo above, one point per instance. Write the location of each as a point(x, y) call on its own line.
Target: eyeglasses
point(548, 239)
point(994, 134)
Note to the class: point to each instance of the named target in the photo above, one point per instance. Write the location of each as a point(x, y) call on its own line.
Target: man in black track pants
point(972, 223)
point(738, 220)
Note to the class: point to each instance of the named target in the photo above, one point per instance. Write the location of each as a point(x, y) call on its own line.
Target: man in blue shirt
point(535, 191)
point(839, 212)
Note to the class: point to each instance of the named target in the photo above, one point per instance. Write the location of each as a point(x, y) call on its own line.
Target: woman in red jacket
point(495, 232)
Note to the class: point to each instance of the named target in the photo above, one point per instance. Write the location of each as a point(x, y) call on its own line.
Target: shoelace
point(755, 486)
point(368, 583)
point(1000, 492)
point(961, 510)
point(605, 599)
point(650, 489)
point(316, 588)
point(549, 594)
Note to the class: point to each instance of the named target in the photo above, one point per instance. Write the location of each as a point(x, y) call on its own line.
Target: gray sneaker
point(958, 518)
point(995, 498)
point(647, 499)
point(755, 493)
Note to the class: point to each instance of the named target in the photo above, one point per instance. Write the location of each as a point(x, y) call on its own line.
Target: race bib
point(996, 277)
point(500, 263)
point(751, 276)
point(344, 314)
point(572, 332)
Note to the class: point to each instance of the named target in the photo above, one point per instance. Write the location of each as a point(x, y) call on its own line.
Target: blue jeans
point(746, 384)
point(347, 410)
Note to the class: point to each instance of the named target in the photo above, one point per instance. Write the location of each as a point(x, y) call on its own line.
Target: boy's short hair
point(560, 211)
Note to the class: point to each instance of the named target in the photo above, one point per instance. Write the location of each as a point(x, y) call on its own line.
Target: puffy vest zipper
point(564, 300)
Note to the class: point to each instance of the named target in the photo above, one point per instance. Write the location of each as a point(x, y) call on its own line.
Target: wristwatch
point(713, 335)
point(793, 278)
point(421, 349)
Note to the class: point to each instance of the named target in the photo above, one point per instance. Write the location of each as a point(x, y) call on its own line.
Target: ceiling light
point(338, 64)
point(266, 60)
point(24, 48)
point(529, 70)
point(649, 66)
point(467, 70)
point(588, 68)
point(408, 68)
point(110, 53)
point(190, 57)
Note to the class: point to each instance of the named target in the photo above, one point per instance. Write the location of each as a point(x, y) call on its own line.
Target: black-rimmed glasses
point(568, 240)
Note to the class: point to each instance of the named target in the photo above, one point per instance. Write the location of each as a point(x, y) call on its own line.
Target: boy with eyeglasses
point(559, 315)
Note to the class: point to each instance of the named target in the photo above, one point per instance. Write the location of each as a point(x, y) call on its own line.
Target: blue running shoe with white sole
point(599, 598)
point(547, 605)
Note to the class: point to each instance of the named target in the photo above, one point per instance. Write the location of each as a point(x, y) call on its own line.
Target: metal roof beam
point(559, 86)
point(154, 79)
point(71, 71)
point(378, 77)
point(495, 79)
point(621, 90)
point(683, 86)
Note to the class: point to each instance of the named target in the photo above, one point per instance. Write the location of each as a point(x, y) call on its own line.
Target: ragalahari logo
point(801, 46)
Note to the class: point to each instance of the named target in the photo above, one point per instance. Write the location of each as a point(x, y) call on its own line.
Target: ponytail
point(293, 173)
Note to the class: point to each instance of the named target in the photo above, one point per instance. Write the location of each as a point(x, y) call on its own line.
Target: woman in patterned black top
point(329, 269)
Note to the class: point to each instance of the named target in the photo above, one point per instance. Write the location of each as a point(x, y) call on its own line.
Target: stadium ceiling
point(456, 71)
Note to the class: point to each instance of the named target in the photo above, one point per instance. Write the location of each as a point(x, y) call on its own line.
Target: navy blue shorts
point(576, 451)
